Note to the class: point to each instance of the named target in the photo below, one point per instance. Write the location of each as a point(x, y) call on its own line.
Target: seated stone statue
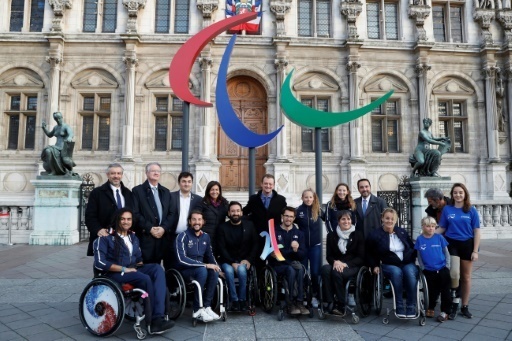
point(426, 161)
point(58, 159)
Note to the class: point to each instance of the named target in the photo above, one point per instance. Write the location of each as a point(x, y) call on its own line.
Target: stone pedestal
point(56, 204)
point(419, 185)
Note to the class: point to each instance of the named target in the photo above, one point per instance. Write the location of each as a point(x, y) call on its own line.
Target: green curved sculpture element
point(308, 117)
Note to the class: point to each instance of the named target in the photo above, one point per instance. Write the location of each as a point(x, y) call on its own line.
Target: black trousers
point(439, 282)
point(334, 282)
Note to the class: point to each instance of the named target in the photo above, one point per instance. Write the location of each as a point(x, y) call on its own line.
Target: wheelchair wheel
point(177, 293)
point(269, 289)
point(364, 291)
point(252, 291)
point(101, 307)
point(422, 297)
point(377, 291)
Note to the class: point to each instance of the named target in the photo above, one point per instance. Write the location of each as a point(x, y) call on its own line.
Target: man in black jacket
point(237, 244)
point(104, 201)
point(152, 212)
point(183, 202)
point(436, 202)
point(263, 206)
point(369, 209)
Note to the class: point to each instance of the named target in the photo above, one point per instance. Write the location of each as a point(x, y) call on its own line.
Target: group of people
point(133, 232)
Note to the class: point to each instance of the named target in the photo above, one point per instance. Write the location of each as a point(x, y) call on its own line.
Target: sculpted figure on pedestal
point(58, 159)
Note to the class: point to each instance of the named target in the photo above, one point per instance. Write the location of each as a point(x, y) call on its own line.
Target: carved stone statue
point(426, 161)
point(58, 159)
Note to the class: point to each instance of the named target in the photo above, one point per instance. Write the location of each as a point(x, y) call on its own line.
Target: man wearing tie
point(369, 208)
point(151, 209)
point(103, 202)
point(182, 203)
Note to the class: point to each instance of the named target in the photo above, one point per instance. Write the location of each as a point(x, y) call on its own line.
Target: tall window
point(386, 127)
point(22, 121)
point(181, 16)
point(168, 123)
point(314, 18)
point(307, 134)
point(96, 109)
point(382, 20)
point(452, 123)
point(162, 16)
point(36, 15)
point(447, 28)
point(100, 12)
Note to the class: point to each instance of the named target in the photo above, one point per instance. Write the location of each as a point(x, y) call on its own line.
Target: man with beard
point(237, 243)
point(436, 202)
point(369, 208)
point(195, 261)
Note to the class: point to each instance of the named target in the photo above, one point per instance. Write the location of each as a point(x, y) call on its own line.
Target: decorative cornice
point(133, 6)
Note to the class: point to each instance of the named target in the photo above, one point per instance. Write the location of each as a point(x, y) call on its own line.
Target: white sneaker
point(314, 302)
point(202, 315)
point(211, 313)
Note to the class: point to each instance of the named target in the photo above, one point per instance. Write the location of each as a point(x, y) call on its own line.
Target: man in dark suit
point(183, 202)
point(151, 208)
point(369, 208)
point(104, 201)
point(263, 206)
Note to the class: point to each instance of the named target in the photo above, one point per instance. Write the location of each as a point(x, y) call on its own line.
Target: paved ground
point(40, 288)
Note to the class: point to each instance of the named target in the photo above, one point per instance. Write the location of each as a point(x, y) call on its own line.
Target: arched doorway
point(249, 100)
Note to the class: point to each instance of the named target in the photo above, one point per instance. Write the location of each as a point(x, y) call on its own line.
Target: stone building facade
point(104, 64)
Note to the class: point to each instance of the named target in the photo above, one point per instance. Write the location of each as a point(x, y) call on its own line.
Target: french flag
point(234, 7)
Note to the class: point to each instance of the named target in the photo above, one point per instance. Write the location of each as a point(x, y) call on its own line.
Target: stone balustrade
point(19, 220)
point(495, 219)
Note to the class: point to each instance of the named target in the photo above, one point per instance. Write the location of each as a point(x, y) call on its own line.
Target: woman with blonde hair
point(308, 219)
point(341, 200)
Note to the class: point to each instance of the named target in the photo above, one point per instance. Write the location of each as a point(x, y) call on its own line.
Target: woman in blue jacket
point(308, 219)
point(118, 255)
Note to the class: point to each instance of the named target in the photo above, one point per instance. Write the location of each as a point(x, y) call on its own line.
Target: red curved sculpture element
point(181, 64)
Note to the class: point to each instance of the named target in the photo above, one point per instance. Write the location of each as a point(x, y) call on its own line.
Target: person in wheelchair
point(237, 244)
point(195, 261)
point(391, 248)
point(345, 255)
point(119, 257)
point(293, 250)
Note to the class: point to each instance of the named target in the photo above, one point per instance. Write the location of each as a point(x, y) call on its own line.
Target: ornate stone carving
point(59, 6)
point(205, 63)
point(419, 12)
point(54, 60)
point(133, 7)
point(130, 59)
point(352, 66)
point(422, 69)
point(280, 64)
point(280, 8)
point(484, 16)
point(207, 7)
point(351, 9)
point(504, 16)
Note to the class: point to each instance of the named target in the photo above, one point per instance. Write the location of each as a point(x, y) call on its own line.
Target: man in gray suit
point(152, 212)
point(369, 208)
point(183, 202)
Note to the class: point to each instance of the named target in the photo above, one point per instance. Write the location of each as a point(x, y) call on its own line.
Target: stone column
point(356, 142)
point(58, 6)
point(280, 64)
point(207, 7)
point(131, 62)
point(351, 9)
point(422, 71)
point(280, 8)
point(55, 59)
point(133, 6)
point(204, 125)
point(490, 71)
point(419, 11)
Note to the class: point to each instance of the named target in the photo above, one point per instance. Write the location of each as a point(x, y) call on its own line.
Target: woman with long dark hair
point(461, 227)
point(215, 210)
point(118, 255)
point(341, 200)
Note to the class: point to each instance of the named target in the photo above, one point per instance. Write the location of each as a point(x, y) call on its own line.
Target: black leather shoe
point(243, 305)
point(160, 325)
point(235, 306)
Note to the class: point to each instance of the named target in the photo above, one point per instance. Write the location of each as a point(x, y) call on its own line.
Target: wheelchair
point(369, 292)
point(104, 304)
point(185, 292)
point(252, 291)
point(274, 288)
point(421, 301)
point(351, 288)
